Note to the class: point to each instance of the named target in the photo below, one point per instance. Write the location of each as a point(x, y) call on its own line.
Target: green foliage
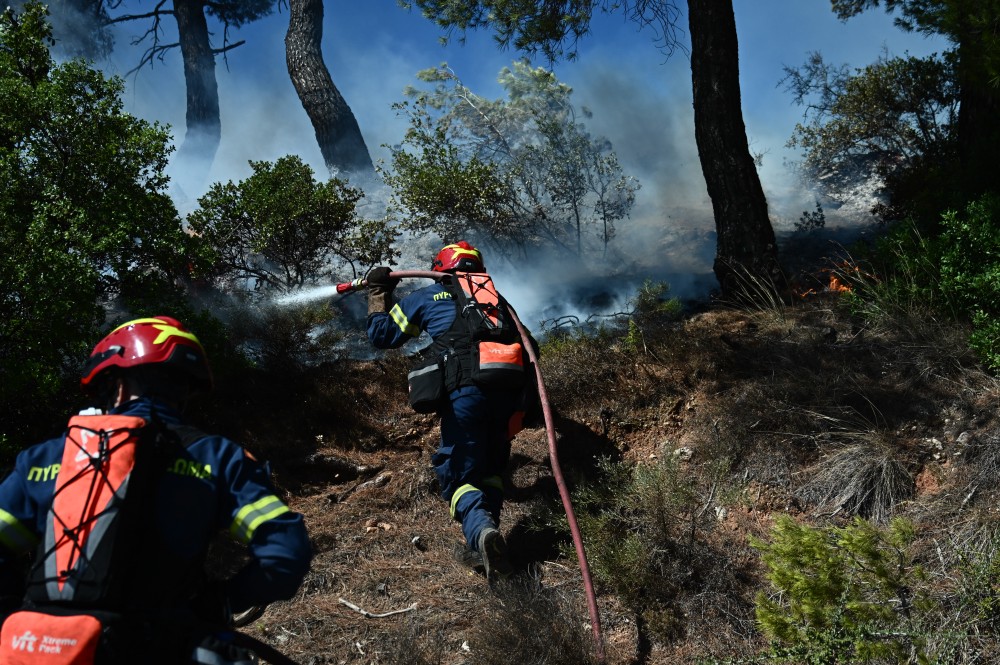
point(895, 118)
point(811, 222)
point(970, 27)
point(651, 303)
point(913, 279)
point(507, 174)
point(969, 23)
point(452, 196)
point(965, 622)
point(280, 228)
point(970, 270)
point(896, 284)
point(237, 13)
point(639, 523)
point(842, 594)
point(552, 28)
point(285, 339)
point(651, 309)
point(84, 218)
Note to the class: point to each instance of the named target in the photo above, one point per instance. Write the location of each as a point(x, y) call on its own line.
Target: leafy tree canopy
point(974, 25)
point(280, 228)
point(551, 27)
point(891, 118)
point(84, 217)
point(511, 174)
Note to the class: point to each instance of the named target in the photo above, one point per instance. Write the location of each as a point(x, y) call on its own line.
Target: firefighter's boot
point(493, 549)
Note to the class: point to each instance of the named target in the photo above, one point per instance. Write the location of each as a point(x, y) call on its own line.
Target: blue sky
point(640, 98)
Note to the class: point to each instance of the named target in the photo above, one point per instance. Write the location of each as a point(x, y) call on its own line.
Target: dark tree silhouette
point(203, 124)
point(973, 26)
point(337, 131)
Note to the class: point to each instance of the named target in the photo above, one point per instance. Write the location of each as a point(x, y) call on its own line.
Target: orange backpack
point(96, 521)
point(498, 357)
point(90, 552)
point(83, 560)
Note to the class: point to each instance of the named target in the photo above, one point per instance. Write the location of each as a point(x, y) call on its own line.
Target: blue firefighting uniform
point(475, 440)
point(212, 485)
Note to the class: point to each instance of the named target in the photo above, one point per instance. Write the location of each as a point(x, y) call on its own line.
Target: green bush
point(970, 270)
point(640, 524)
point(84, 221)
point(845, 594)
point(280, 228)
point(896, 283)
point(912, 281)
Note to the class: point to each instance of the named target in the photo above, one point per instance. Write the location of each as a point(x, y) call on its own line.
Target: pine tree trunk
point(337, 131)
point(978, 116)
point(204, 128)
point(746, 252)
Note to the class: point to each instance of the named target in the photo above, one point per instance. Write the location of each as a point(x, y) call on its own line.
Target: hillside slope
point(745, 415)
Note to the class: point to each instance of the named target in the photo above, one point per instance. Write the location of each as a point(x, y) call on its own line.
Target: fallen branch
point(378, 481)
point(334, 464)
point(371, 615)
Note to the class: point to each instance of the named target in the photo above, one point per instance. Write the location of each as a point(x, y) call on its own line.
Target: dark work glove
point(380, 287)
point(378, 279)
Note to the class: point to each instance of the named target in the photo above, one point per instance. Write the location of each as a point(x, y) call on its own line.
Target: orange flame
point(835, 282)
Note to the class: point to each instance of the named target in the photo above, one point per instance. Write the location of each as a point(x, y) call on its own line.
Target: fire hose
point(595, 619)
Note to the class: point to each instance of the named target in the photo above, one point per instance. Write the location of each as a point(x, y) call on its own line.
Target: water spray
point(588, 586)
point(311, 294)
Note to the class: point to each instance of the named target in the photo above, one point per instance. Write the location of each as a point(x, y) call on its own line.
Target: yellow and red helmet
point(461, 256)
point(159, 340)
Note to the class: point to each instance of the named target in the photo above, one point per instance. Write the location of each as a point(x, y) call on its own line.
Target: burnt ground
point(775, 392)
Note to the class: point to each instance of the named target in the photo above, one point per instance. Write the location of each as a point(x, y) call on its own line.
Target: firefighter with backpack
point(474, 375)
point(112, 520)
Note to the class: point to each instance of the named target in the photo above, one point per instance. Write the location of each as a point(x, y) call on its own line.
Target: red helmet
point(157, 340)
point(461, 256)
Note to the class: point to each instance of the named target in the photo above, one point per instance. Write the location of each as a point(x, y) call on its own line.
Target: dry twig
point(372, 615)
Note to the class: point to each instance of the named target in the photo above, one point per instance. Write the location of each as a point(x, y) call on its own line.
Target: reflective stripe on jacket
point(429, 309)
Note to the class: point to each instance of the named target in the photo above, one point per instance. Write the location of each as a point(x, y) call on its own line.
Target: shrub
point(640, 524)
point(895, 284)
point(860, 475)
point(280, 228)
point(841, 594)
point(963, 626)
point(970, 271)
point(811, 222)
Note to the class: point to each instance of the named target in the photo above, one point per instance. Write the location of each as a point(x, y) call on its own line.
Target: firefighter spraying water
point(477, 374)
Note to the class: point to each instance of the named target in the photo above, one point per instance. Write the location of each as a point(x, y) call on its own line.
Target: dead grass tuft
point(528, 624)
point(861, 479)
